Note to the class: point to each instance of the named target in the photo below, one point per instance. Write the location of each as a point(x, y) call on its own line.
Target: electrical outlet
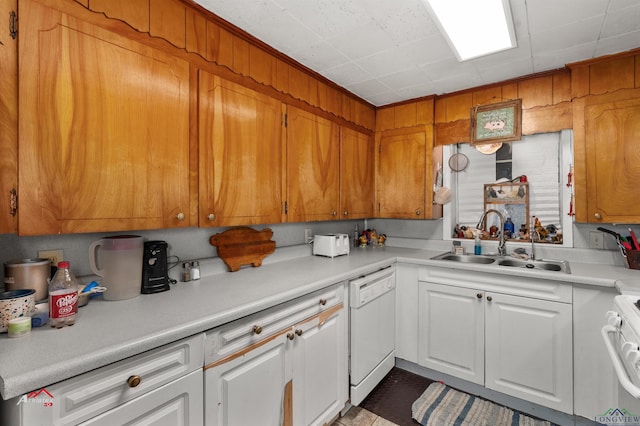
point(54, 256)
point(308, 236)
point(596, 240)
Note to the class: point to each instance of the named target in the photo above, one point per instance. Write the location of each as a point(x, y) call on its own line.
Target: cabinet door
point(103, 129)
point(356, 174)
point(251, 388)
point(451, 330)
point(313, 145)
point(8, 122)
point(178, 403)
point(320, 378)
point(400, 181)
point(241, 154)
point(529, 349)
point(612, 130)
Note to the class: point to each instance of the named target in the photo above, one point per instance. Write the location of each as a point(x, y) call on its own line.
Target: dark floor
point(393, 396)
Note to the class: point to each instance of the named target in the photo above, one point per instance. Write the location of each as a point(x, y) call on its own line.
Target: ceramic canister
point(16, 304)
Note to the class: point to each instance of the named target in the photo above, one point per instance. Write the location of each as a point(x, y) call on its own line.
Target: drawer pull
point(291, 336)
point(257, 329)
point(134, 381)
point(323, 302)
point(299, 332)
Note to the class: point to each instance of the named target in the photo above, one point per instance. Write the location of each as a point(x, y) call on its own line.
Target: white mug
point(118, 260)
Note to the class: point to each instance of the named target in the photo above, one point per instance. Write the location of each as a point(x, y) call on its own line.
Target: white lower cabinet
point(163, 386)
point(178, 403)
point(283, 366)
point(519, 345)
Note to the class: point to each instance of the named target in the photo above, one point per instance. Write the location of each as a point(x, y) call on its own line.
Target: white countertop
point(109, 331)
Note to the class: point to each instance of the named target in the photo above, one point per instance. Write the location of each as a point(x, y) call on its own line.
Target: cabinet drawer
point(93, 393)
point(232, 337)
point(533, 287)
point(180, 402)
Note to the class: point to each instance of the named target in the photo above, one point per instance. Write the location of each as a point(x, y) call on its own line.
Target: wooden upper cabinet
point(8, 123)
point(403, 178)
point(313, 167)
point(611, 156)
point(241, 154)
point(103, 129)
point(357, 168)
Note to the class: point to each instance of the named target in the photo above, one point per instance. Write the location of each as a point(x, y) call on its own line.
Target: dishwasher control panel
point(365, 289)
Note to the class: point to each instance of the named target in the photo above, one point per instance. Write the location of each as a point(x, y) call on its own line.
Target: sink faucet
point(531, 232)
point(502, 248)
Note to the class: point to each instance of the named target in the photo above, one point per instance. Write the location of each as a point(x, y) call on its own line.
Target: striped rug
point(441, 405)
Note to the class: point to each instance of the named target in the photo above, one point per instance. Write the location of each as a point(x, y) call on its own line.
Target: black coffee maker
point(155, 276)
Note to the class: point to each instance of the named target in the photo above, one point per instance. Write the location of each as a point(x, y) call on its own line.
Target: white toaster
point(331, 245)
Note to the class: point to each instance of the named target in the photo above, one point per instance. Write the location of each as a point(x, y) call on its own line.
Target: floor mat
point(393, 396)
point(441, 405)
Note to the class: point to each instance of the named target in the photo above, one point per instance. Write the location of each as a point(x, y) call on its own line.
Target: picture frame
point(500, 122)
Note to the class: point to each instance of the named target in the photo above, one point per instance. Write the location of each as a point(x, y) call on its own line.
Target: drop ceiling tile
point(563, 37)
point(409, 20)
point(417, 91)
point(347, 74)
point(384, 98)
point(545, 15)
point(544, 61)
point(372, 87)
point(325, 18)
point(622, 21)
point(398, 59)
point(406, 78)
point(361, 41)
point(621, 43)
point(499, 72)
point(320, 56)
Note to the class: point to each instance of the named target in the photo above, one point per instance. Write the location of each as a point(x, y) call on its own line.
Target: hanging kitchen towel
point(441, 405)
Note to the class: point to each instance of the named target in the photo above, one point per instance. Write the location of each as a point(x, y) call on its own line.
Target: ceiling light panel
point(474, 28)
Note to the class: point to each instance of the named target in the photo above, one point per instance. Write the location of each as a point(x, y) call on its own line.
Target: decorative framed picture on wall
point(501, 122)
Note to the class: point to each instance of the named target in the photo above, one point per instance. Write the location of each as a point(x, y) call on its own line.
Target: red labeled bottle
point(63, 297)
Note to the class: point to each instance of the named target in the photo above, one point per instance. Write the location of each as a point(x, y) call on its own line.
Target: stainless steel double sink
point(507, 261)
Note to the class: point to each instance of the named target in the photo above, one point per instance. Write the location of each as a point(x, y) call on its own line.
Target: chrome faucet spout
point(531, 232)
point(502, 247)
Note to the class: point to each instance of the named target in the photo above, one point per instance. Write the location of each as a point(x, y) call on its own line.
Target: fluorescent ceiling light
point(474, 28)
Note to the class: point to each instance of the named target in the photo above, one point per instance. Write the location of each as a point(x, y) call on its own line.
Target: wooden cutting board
point(243, 246)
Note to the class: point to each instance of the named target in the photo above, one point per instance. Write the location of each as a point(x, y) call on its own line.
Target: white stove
point(622, 339)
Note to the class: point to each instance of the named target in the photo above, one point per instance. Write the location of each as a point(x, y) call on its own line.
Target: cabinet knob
point(299, 332)
point(334, 213)
point(211, 217)
point(597, 216)
point(180, 216)
point(479, 295)
point(418, 212)
point(291, 336)
point(134, 381)
point(346, 213)
point(489, 298)
point(257, 329)
point(323, 302)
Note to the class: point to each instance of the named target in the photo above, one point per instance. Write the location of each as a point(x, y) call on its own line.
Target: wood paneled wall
point(188, 26)
point(606, 74)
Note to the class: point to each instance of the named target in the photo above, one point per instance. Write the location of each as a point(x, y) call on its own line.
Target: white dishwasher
point(372, 330)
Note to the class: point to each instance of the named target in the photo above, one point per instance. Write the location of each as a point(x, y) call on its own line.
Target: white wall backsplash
point(186, 243)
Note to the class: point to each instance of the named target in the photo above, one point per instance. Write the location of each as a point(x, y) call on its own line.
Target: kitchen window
point(545, 159)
